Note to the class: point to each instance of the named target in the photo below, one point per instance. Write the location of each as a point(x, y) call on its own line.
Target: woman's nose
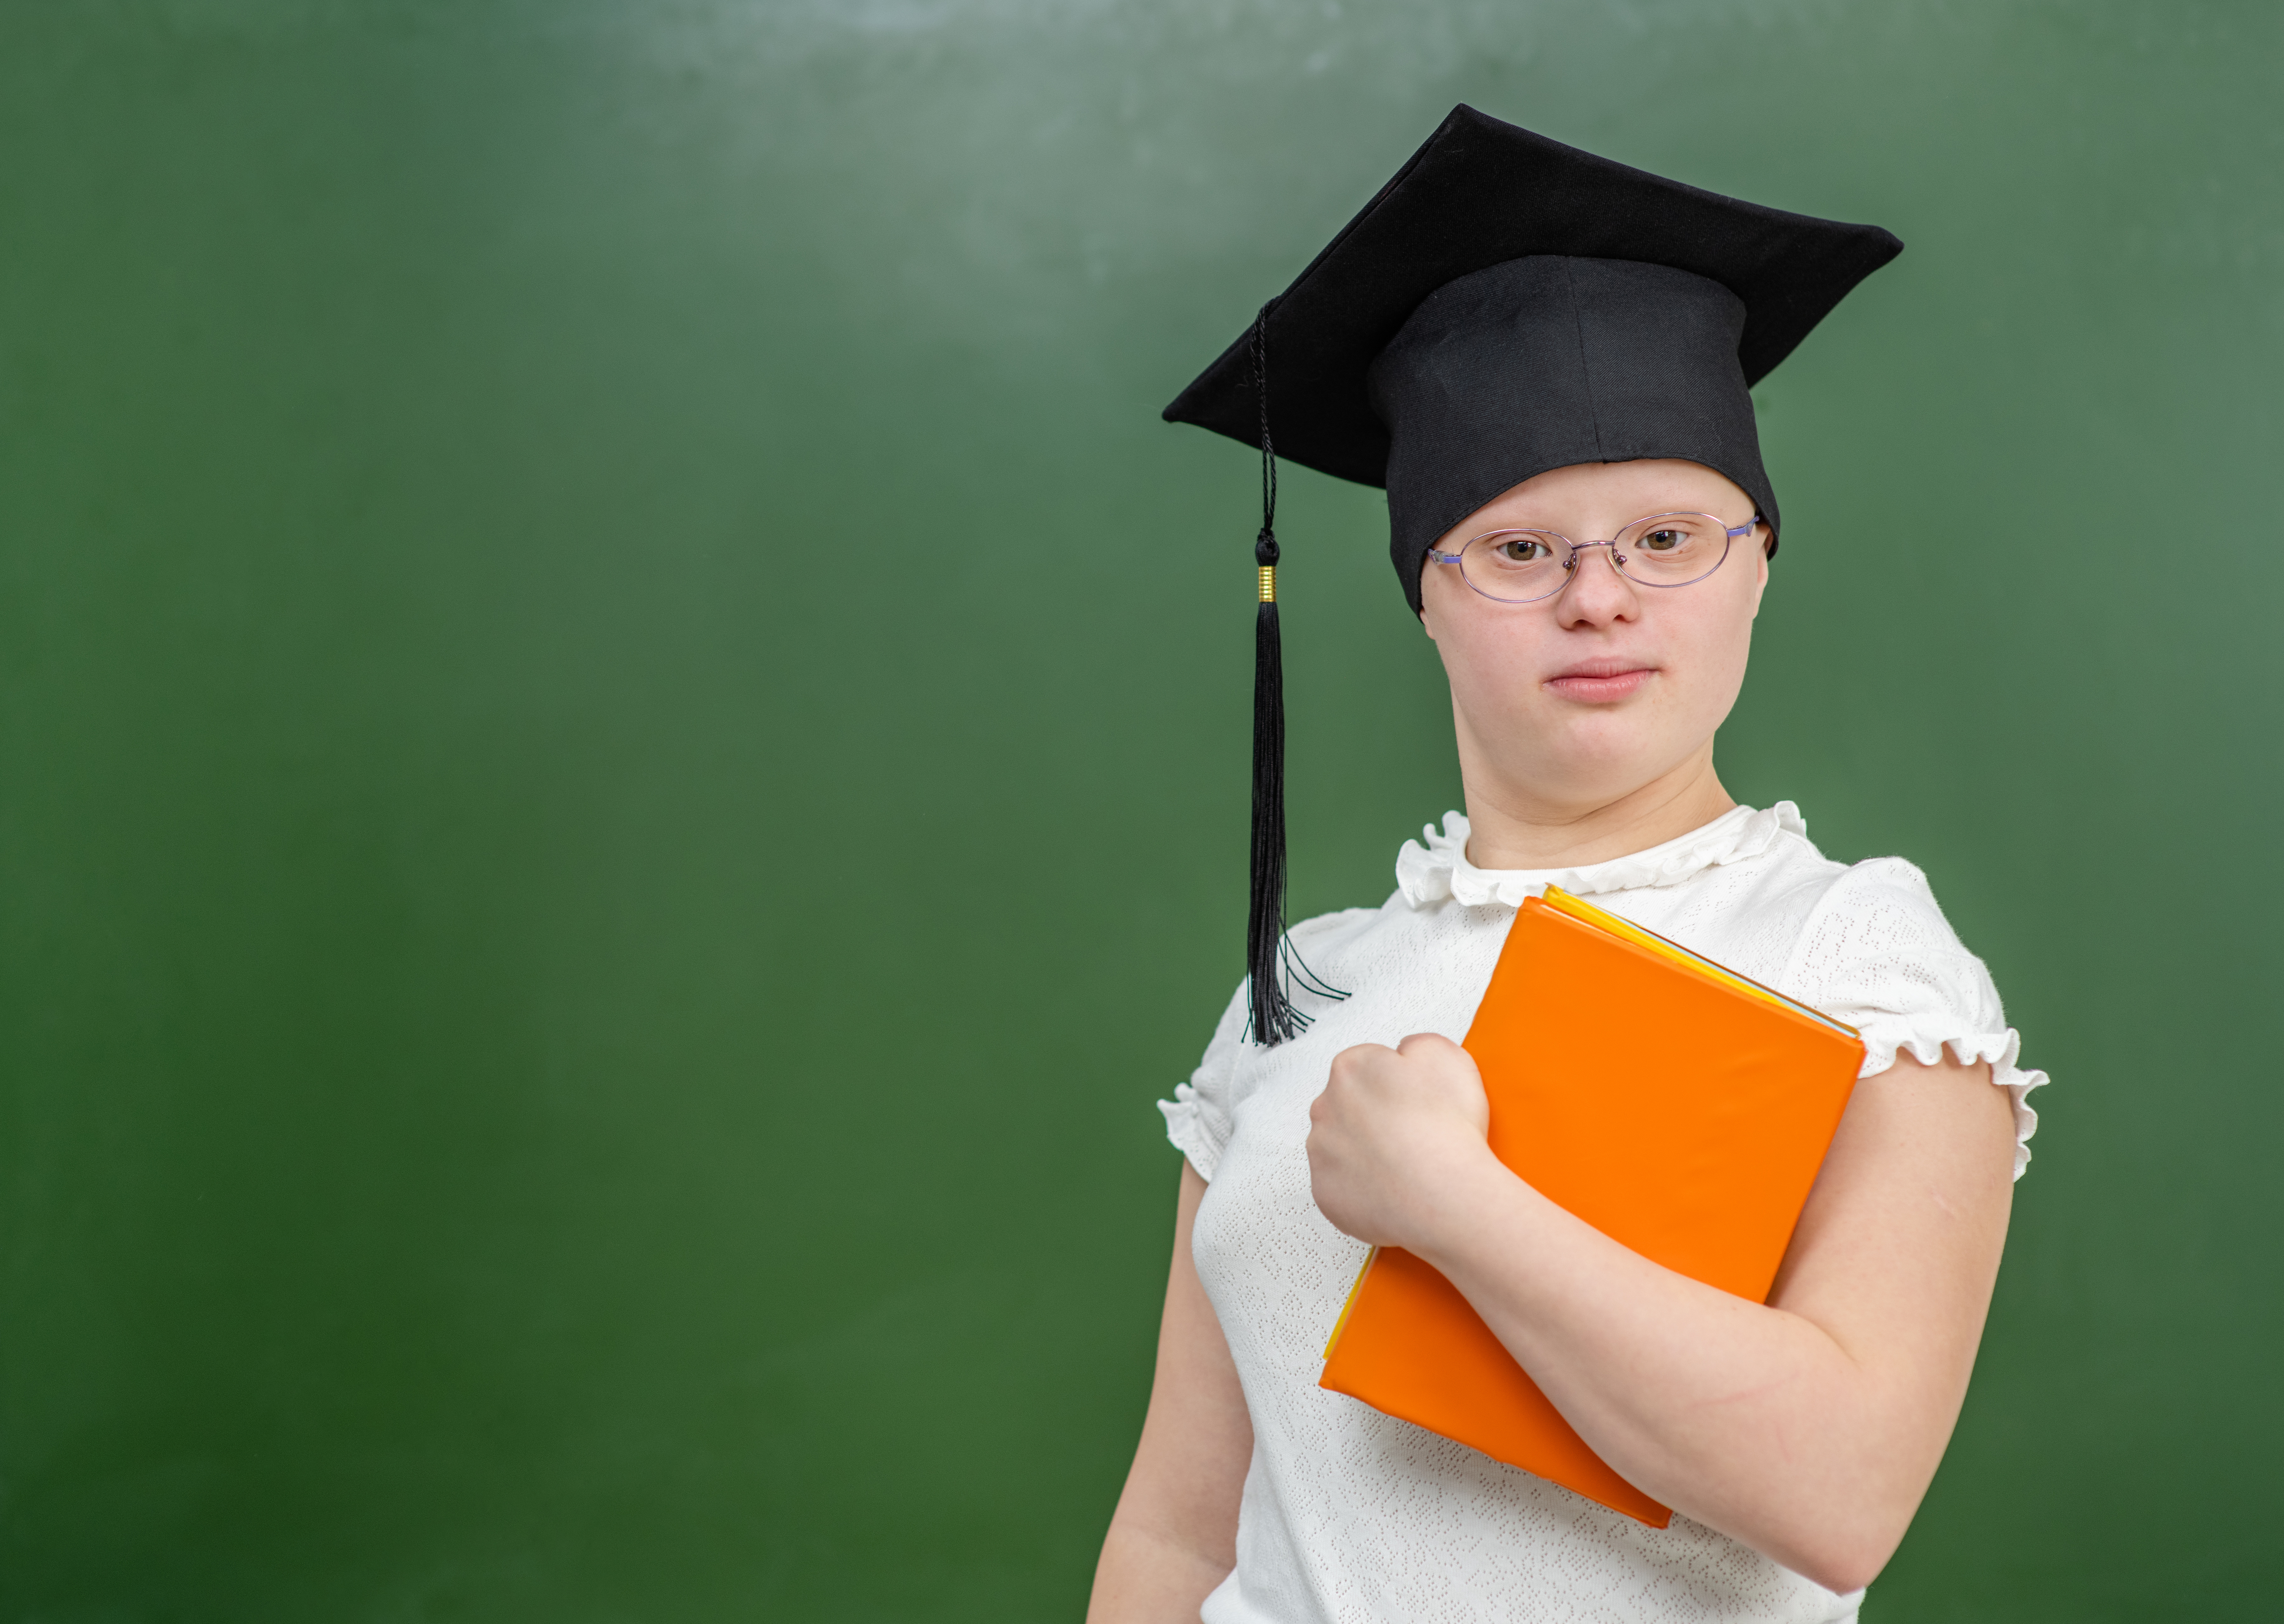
point(1597, 590)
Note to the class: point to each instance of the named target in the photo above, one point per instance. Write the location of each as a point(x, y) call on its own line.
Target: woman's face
point(1574, 701)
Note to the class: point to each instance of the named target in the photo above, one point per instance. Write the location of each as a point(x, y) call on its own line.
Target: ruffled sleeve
point(1878, 954)
point(1198, 1116)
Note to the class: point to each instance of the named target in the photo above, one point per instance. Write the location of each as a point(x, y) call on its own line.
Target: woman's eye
point(1525, 551)
point(1665, 541)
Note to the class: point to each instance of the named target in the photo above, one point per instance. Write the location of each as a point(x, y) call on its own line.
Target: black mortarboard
point(1505, 305)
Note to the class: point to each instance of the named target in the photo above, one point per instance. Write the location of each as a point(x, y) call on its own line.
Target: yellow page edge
point(1562, 902)
point(1348, 1308)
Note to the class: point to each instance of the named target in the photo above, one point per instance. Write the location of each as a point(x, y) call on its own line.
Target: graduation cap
point(1505, 305)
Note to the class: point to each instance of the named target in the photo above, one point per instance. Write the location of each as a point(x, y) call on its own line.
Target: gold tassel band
point(1269, 583)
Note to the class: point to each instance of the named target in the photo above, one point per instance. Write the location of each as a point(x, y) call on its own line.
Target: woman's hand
point(1395, 1144)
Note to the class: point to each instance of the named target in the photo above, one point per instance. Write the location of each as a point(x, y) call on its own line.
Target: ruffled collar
point(1427, 875)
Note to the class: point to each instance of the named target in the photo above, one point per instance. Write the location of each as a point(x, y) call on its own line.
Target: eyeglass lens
point(1670, 550)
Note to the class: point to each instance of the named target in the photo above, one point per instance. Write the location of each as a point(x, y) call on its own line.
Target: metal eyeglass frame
point(1618, 559)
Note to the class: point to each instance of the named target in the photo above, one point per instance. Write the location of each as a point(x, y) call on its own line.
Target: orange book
point(1678, 1107)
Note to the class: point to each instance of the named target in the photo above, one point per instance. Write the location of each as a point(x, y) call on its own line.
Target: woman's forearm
point(1748, 1418)
point(1144, 1577)
point(1807, 1428)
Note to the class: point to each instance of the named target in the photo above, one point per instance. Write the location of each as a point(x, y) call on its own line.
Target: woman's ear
point(1428, 578)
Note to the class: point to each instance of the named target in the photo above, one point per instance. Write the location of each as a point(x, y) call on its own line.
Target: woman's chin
point(1596, 760)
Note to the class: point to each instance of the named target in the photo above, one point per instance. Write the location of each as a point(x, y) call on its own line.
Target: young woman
point(1593, 614)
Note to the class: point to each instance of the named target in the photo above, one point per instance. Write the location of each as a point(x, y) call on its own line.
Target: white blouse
point(1349, 1515)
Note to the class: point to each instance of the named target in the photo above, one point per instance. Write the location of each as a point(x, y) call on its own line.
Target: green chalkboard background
point(622, 752)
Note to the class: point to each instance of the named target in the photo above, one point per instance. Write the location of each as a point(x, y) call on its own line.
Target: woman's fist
point(1396, 1138)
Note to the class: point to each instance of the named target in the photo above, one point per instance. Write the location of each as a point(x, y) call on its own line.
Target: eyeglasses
point(1665, 550)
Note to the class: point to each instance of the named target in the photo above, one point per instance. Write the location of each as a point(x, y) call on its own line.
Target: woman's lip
point(1600, 688)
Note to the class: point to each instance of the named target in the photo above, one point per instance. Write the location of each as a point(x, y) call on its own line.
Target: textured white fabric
point(1348, 1515)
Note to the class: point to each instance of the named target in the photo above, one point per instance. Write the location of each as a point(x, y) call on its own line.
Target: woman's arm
point(1810, 1428)
point(1173, 1537)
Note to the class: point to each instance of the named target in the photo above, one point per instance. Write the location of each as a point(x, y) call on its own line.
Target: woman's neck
point(1511, 829)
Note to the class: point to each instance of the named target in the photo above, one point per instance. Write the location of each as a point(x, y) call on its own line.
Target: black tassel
point(1272, 967)
point(1274, 1018)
